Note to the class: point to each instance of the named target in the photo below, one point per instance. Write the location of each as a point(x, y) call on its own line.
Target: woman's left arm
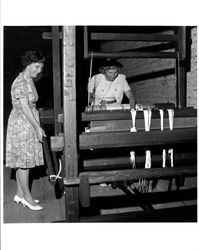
point(130, 95)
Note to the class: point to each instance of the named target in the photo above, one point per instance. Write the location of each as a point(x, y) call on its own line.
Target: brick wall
point(153, 80)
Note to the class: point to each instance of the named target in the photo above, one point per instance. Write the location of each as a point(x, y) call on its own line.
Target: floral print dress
point(23, 149)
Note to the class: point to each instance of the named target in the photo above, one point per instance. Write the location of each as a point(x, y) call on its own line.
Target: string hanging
point(55, 177)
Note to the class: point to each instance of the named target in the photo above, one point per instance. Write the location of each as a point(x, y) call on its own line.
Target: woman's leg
point(19, 189)
point(23, 177)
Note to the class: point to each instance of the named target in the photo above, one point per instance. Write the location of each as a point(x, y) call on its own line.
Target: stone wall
point(192, 75)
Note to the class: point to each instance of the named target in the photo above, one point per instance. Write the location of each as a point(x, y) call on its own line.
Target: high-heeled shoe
point(18, 199)
point(26, 204)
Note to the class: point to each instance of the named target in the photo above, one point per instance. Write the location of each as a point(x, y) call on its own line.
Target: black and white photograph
point(99, 127)
point(100, 124)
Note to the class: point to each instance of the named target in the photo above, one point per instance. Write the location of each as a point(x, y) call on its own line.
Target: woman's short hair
point(109, 64)
point(32, 57)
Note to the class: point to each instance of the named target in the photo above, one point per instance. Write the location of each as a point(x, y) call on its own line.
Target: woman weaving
point(109, 85)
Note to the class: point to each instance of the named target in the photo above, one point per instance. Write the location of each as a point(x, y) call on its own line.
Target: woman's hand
point(40, 133)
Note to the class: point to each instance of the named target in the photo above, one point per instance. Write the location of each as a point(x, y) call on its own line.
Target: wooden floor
point(42, 190)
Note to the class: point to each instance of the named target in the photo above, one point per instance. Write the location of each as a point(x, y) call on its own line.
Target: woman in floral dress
point(24, 134)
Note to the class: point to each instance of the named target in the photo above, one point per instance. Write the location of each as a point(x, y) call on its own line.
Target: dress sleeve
point(93, 83)
point(126, 86)
point(19, 89)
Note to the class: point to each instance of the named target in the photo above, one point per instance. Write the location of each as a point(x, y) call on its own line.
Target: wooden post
point(177, 81)
point(56, 78)
point(182, 80)
point(85, 42)
point(70, 126)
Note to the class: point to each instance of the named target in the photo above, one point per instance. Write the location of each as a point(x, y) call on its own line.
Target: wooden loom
point(109, 130)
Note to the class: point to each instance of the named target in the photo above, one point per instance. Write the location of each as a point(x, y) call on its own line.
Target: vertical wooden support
point(70, 126)
point(56, 77)
point(85, 42)
point(177, 67)
point(182, 79)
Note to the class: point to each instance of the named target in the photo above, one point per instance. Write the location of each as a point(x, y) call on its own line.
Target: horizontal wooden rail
point(133, 55)
point(119, 139)
point(124, 161)
point(134, 37)
point(124, 37)
point(47, 114)
point(125, 114)
point(49, 35)
point(128, 139)
point(132, 174)
point(126, 125)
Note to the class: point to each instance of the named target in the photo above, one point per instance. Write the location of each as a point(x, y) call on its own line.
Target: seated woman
point(109, 85)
